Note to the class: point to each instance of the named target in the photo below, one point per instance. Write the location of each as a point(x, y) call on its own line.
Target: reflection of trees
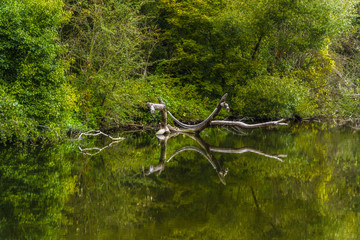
point(112, 192)
point(311, 195)
point(205, 150)
point(34, 183)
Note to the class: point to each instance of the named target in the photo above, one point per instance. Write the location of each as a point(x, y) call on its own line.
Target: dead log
point(209, 121)
point(206, 123)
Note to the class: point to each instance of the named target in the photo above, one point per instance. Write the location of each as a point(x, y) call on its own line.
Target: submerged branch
point(97, 133)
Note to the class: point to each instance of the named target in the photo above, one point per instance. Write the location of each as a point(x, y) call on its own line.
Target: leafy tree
point(220, 46)
point(107, 62)
point(14, 123)
point(30, 68)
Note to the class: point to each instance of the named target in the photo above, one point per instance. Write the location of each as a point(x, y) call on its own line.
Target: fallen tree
point(165, 128)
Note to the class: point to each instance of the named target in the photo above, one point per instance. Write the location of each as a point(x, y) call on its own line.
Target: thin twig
point(96, 133)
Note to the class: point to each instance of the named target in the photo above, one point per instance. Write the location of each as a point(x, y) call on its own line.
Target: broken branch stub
point(162, 107)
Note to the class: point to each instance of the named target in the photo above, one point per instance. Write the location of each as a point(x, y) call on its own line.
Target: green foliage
point(273, 97)
point(30, 69)
point(14, 125)
point(221, 46)
point(34, 183)
point(274, 58)
point(104, 40)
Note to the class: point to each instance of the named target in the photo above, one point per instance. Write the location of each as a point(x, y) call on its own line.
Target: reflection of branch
point(86, 150)
point(161, 165)
point(96, 133)
point(205, 150)
point(244, 150)
point(212, 160)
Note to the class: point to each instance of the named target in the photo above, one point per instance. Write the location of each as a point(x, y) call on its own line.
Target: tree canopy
point(68, 65)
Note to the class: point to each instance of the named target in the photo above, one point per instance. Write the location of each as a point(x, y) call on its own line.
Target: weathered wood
point(162, 107)
point(245, 125)
point(209, 121)
point(96, 133)
point(154, 106)
point(206, 123)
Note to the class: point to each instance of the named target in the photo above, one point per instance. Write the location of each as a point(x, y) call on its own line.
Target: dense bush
point(105, 42)
point(30, 68)
point(14, 125)
point(230, 46)
point(273, 97)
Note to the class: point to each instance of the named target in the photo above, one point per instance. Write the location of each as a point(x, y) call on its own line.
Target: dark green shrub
point(13, 121)
point(273, 97)
point(30, 68)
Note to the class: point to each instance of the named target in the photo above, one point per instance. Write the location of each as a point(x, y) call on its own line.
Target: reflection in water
point(205, 150)
point(92, 151)
point(34, 183)
point(49, 193)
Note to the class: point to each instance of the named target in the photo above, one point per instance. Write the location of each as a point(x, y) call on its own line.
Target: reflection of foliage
point(34, 183)
point(313, 194)
point(112, 191)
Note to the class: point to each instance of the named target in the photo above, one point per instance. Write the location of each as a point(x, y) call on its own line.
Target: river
point(289, 182)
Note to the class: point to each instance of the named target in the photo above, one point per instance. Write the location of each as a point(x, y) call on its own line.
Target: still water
point(289, 182)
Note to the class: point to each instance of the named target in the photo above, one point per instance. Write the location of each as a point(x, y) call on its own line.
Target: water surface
point(295, 182)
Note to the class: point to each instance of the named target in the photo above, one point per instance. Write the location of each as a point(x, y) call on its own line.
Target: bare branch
point(204, 124)
point(96, 133)
point(209, 121)
point(245, 125)
point(154, 106)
